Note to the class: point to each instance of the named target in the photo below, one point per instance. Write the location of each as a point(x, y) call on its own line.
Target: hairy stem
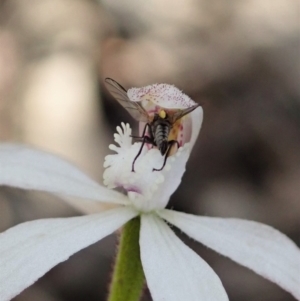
point(128, 276)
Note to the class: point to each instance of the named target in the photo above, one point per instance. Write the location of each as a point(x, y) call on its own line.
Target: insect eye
point(162, 114)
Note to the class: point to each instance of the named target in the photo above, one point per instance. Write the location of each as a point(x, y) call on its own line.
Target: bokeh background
point(239, 59)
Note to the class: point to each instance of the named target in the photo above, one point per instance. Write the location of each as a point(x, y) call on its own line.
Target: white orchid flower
point(172, 270)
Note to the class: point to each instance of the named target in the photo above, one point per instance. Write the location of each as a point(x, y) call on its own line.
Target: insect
point(159, 124)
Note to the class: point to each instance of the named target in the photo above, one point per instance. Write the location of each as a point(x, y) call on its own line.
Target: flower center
point(145, 187)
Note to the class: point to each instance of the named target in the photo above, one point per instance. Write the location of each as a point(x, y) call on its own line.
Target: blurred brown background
point(240, 59)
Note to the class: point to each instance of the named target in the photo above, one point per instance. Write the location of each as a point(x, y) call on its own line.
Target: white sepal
point(29, 250)
point(173, 271)
point(27, 168)
point(259, 247)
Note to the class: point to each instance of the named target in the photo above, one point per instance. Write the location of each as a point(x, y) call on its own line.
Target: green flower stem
point(128, 276)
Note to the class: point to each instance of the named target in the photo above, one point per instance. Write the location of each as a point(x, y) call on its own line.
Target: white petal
point(259, 247)
point(173, 271)
point(197, 118)
point(28, 168)
point(88, 206)
point(172, 175)
point(151, 190)
point(29, 250)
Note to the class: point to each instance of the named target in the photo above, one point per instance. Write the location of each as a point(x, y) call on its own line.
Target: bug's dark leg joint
point(132, 169)
point(140, 138)
point(144, 139)
point(170, 144)
point(136, 137)
point(144, 130)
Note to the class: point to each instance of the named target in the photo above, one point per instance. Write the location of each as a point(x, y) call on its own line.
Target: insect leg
point(144, 132)
point(144, 139)
point(170, 143)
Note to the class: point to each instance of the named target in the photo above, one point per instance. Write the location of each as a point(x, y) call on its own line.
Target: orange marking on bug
point(176, 128)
